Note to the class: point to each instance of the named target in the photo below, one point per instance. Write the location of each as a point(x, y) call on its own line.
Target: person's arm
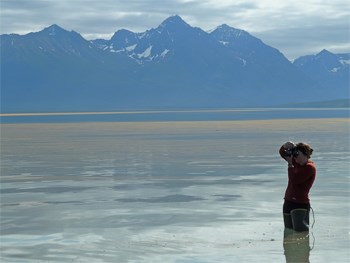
point(283, 152)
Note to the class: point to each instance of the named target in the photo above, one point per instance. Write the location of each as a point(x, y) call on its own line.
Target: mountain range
point(172, 66)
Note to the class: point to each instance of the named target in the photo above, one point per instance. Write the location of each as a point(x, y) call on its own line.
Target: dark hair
point(305, 149)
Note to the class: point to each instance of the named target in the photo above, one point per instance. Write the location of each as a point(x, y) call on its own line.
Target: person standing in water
point(301, 176)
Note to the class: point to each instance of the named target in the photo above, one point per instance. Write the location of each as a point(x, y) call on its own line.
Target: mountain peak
point(325, 52)
point(122, 33)
point(228, 32)
point(224, 27)
point(54, 27)
point(54, 30)
point(174, 20)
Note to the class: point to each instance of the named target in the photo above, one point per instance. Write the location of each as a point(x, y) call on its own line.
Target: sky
point(296, 28)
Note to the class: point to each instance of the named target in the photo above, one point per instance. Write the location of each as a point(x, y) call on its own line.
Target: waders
point(298, 220)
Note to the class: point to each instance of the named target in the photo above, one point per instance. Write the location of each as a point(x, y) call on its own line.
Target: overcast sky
point(295, 28)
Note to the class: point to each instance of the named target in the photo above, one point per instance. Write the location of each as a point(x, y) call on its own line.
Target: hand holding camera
point(288, 151)
point(289, 145)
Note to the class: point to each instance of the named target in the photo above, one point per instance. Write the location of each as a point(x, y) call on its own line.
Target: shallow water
point(203, 191)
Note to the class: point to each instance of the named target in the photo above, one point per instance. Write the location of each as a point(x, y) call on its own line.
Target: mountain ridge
point(172, 65)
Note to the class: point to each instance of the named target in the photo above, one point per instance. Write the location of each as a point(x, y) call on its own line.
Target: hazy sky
point(296, 28)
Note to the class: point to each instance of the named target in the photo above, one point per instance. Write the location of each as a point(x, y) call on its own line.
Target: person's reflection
point(296, 246)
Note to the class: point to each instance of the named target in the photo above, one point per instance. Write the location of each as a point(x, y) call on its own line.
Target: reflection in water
point(164, 191)
point(296, 246)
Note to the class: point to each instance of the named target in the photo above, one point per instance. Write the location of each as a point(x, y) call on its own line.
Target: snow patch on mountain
point(130, 48)
point(244, 62)
point(225, 43)
point(163, 54)
point(146, 53)
point(345, 61)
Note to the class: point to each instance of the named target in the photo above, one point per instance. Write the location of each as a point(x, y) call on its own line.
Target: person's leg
point(287, 218)
point(300, 219)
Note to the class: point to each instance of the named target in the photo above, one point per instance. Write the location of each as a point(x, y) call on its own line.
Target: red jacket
point(300, 180)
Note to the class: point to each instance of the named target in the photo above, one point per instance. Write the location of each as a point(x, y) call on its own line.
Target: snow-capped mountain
point(51, 41)
point(332, 70)
point(173, 65)
point(154, 44)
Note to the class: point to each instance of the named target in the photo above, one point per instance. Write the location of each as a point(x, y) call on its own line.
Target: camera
point(292, 152)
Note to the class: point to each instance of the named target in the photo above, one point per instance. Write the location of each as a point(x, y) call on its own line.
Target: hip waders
point(298, 219)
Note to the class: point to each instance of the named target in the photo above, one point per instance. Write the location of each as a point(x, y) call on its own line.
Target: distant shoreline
point(243, 114)
point(30, 114)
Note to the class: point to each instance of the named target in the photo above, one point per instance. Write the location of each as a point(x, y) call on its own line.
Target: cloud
point(287, 25)
point(295, 42)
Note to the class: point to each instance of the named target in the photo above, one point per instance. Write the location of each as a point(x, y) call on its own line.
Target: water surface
point(178, 191)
